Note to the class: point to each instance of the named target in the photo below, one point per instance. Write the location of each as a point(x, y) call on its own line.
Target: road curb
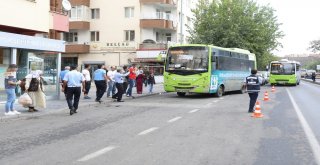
point(310, 81)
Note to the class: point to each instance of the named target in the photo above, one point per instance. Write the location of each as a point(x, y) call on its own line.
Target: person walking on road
point(73, 80)
point(87, 77)
point(151, 81)
point(313, 76)
point(125, 79)
point(118, 78)
point(252, 84)
point(111, 83)
point(140, 79)
point(61, 76)
point(10, 82)
point(131, 80)
point(63, 73)
point(100, 79)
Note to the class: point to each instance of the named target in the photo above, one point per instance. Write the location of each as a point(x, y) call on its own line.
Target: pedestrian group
point(116, 82)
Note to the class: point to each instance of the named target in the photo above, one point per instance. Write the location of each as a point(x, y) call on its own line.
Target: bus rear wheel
point(220, 91)
point(181, 94)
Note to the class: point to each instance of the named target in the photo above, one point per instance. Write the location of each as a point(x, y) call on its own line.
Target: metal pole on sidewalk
point(58, 73)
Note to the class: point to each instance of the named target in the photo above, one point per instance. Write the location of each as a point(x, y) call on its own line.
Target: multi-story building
point(30, 32)
point(122, 32)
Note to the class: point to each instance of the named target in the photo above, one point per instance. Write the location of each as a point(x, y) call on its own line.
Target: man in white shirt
point(74, 80)
point(87, 77)
point(111, 83)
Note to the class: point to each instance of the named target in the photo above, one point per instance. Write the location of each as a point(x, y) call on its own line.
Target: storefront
point(151, 60)
point(34, 53)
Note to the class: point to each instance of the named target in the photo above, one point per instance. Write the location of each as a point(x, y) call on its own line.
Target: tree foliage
point(312, 65)
point(315, 46)
point(237, 23)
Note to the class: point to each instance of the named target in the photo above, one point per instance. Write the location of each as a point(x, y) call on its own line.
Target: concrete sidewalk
point(310, 80)
point(54, 106)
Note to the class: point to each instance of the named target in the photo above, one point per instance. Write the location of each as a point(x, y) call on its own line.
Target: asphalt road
point(169, 130)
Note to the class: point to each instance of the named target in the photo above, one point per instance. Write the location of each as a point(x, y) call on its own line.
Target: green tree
point(237, 23)
point(315, 46)
point(312, 65)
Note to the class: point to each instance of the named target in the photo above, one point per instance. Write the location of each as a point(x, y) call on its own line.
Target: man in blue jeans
point(131, 80)
point(111, 83)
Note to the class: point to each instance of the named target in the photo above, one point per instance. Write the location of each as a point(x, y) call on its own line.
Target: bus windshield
point(187, 59)
point(283, 68)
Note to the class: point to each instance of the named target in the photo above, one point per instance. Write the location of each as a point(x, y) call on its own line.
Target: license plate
point(182, 90)
point(282, 82)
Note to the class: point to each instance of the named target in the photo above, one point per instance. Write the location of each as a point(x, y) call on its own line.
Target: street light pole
point(119, 58)
point(181, 22)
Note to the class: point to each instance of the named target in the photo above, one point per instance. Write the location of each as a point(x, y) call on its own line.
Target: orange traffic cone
point(257, 112)
point(273, 89)
point(266, 96)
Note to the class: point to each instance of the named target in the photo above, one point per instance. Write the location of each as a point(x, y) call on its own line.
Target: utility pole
point(181, 21)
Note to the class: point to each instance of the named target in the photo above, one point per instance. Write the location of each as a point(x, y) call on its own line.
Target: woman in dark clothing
point(140, 80)
point(125, 79)
point(151, 81)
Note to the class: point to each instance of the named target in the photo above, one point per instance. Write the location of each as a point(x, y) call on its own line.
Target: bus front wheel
point(220, 91)
point(181, 94)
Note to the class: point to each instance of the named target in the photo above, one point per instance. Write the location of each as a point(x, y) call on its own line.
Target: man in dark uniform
point(253, 88)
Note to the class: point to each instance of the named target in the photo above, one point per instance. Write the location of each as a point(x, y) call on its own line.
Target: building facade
point(30, 38)
point(124, 32)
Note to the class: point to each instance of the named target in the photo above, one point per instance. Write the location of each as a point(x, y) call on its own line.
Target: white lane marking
point(221, 98)
point(148, 131)
point(307, 130)
point(174, 119)
point(209, 104)
point(96, 154)
point(215, 101)
point(193, 111)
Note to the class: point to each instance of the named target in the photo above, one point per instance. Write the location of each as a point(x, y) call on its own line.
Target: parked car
point(309, 73)
point(303, 73)
point(264, 76)
point(48, 80)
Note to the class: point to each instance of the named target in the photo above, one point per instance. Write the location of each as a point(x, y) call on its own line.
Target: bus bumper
point(186, 89)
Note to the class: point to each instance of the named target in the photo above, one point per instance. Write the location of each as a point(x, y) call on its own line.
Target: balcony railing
point(79, 25)
point(158, 15)
point(80, 2)
point(166, 2)
point(157, 23)
point(153, 46)
point(77, 48)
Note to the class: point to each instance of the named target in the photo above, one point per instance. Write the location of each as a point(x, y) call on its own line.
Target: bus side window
point(213, 57)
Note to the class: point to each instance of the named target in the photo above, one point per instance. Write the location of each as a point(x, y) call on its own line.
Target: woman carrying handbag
point(34, 87)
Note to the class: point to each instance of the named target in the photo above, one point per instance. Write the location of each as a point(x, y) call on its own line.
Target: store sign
point(118, 44)
point(114, 45)
point(29, 42)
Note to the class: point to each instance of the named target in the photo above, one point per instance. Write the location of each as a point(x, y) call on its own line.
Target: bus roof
point(237, 50)
point(285, 61)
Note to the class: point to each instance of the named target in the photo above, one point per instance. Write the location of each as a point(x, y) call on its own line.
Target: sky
point(301, 24)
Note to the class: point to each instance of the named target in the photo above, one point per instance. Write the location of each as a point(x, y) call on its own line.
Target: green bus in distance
point(285, 72)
